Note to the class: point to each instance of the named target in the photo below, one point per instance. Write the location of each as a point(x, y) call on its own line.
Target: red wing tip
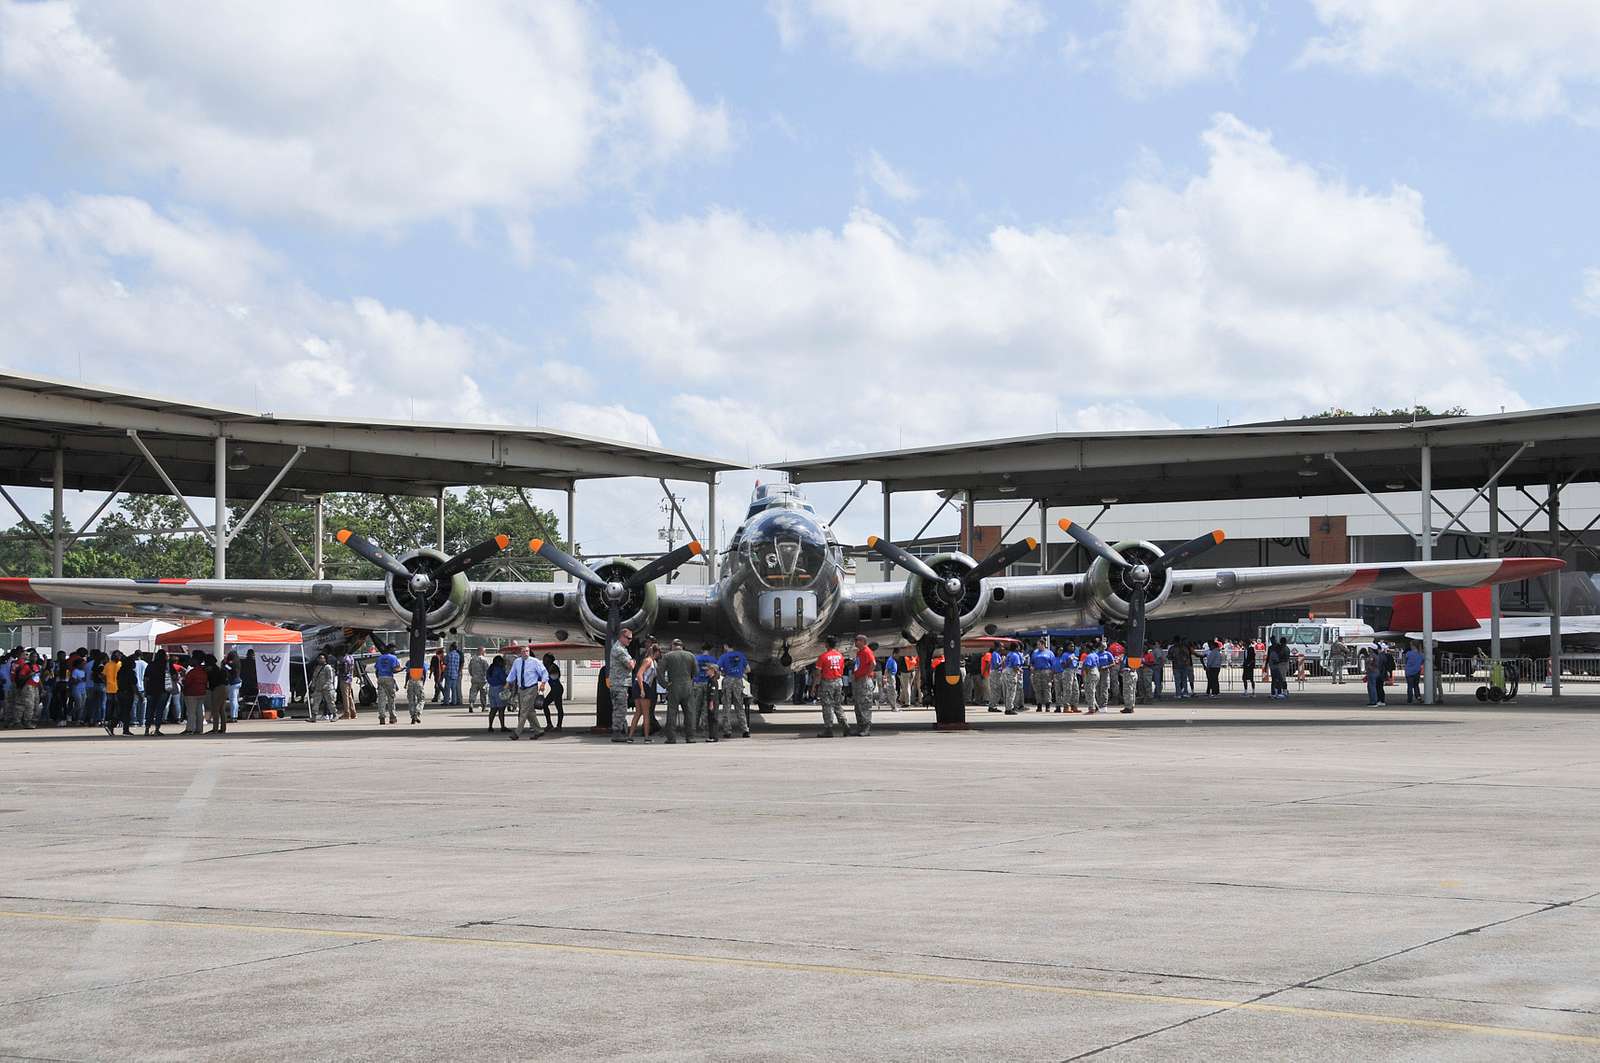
point(1515, 568)
point(19, 589)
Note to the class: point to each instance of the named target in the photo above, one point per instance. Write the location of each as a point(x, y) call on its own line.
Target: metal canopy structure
point(1273, 460)
point(1547, 448)
point(65, 435)
point(39, 416)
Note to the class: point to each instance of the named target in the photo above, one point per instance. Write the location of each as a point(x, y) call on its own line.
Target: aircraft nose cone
point(615, 590)
point(420, 583)
point(1139, 574)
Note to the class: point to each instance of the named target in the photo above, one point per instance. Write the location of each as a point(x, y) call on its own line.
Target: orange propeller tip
point(502, 540)
point(1033, 544)
point(1134, 663)
point(872, 540)
point(1218, 535)
point(952, 679)
point(695, 547)
point(1064, 523)
point(535, 545)
point(343, 535)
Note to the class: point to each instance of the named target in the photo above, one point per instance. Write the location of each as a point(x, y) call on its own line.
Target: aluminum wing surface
point(536, 610)
point(1072, 599)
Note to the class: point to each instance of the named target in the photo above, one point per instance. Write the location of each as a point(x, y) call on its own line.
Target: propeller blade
point(419, 638)
point(910, 562)
point(1002, 558)
point(364, 547)
point(952, 643)
point(1189, 550)
point(662, 565)
point(467, 558)
point(1135, 647)
point(566, 562)
point(1093, 543)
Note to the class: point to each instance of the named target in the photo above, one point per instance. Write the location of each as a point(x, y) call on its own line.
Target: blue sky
point(808, 226)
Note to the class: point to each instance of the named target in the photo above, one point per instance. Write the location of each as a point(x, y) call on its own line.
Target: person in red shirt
point(861, 676)
point(195, 689)
point(830, 689)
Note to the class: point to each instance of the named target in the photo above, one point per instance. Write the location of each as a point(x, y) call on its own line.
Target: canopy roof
point(143, 632)
point(234, 633)
point(1278, 459)
point(91, 425)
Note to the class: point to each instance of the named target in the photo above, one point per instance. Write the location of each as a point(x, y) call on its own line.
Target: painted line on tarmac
point(916, 977)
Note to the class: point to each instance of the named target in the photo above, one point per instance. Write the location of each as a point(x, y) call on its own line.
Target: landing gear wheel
point(1482, 693)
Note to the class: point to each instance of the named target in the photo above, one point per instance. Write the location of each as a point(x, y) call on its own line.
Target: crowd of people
point(122, 691)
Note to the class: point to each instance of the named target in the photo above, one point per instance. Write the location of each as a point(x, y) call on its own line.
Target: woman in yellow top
point(114, 714)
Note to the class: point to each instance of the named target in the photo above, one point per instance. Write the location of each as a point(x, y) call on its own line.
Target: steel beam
point(38, 532)
point(318, 516)
point(711, 528)
point(110, 497)
point(948, 498)
point(847, 502)
point(671, 498)
point(1494, 551)
point(219, 484)
point(1073, 546)
point(572, 519)
point(219, 534)
point(233, 533)
point(1376, 500)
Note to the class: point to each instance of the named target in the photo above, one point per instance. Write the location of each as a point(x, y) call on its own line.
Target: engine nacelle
point(447, 603)
point(639, 614)
point(1108, 594)
point(925, 603)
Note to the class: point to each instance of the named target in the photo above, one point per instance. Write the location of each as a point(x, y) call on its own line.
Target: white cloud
point(890, 181)
point(1259, 282)
point(1522, 60)
point(1588, 300)
point(171, 304)
point(887, 33)
point(1158, 44)
point(360, 113)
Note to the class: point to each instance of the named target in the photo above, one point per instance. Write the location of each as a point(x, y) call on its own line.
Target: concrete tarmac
point(1201, 880)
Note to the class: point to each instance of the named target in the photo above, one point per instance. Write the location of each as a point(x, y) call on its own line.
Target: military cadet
point(866, 665)
point(619, 672)
point(705, 693)
point(889, 685)
point(477, 672)
point(1011, 681)
point(323, 696)
point(1127, 670)
point(415, 695)
point(386, 667)
point(527, 681)
point(733, 665)
point(830, 689)
point(25, 677)
point(678, 667)
point(1090, 674)
point(1336, 658)
point(992, 666)
point(1102, 691)
point(1071, 671)
point(1043, 665)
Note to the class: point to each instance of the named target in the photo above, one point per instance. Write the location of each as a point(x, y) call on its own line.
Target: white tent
point(144, 634)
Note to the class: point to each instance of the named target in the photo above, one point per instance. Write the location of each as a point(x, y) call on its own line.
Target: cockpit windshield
point(786, 548)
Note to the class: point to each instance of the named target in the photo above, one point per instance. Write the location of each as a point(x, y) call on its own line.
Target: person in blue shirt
point(1011, 685)
point(733, 665)
point(452, 675)
point(705, 693)
point(528, 681)
point(386, 668)
point(1412, 662)
point(887, 690)
point(1067, 687)
point(1043, 665)
point(995, 680)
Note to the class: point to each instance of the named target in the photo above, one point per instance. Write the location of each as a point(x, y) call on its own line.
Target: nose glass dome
point(787, 549)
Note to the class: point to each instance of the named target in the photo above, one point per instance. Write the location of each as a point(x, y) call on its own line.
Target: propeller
point(1138, 576)
point(421, 583)
point(614, 592)
point(953, 588)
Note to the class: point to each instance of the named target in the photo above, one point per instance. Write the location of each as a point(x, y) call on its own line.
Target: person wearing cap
point(830, 689)
point(386, 668)
point(861, 673)
point(1042, 665)
point(678, 668)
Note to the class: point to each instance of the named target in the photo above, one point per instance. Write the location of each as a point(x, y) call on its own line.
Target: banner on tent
point(272, 670)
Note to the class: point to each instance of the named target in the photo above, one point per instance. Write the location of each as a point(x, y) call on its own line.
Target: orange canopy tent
point(234, 633)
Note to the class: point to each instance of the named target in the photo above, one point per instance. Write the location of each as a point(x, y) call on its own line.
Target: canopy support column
point(1494, 551)
point(711, 529)
point(888, 528)
point(318, 515)
point(1554, 594)
point(58, 484)
point(219, 532)
point(572, 523)
point(441, 520)
point(1429, 679)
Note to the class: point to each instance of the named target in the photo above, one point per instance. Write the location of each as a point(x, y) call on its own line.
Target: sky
point(799, 228)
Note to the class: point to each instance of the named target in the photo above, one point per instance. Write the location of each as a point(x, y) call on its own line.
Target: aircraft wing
point(539, 610)
point(1517, 627)
point(1070, 599)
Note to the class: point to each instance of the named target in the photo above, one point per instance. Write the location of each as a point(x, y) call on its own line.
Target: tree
point(1339, 413)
